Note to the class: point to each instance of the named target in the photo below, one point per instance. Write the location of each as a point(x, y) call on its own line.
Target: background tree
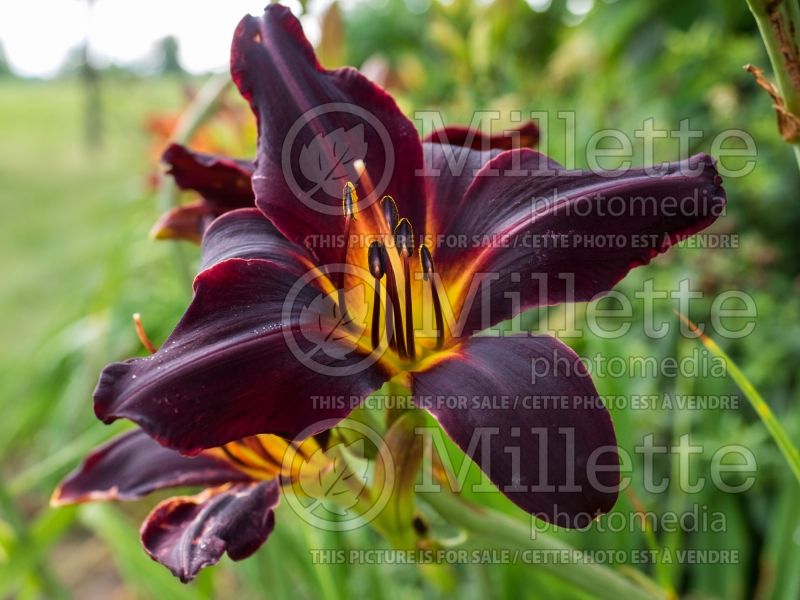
point(168, 57)
point(5, 69)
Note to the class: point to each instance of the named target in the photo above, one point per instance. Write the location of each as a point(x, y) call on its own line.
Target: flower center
point(267, 456)
point(390, 257)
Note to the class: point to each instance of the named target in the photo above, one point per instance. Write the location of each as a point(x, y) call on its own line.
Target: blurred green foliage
point(78, 262)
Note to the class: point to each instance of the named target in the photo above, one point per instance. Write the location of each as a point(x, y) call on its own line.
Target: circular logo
point(326, 155)
point(334, 488)
point(330, 329)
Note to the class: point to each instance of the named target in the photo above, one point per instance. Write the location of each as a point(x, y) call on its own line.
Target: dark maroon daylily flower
point(255, 347)
point(524, 136)
point(234, 514)
point(223, 184)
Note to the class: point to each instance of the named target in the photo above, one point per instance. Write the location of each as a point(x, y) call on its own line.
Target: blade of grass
point(652, 542)
point(779, 577)
point(674, 541)
point(776, 430)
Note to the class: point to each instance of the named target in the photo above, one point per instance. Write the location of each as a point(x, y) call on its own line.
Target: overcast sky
point(37, 34)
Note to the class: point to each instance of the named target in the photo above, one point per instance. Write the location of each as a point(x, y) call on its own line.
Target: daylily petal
point(548, 444)
point(247, 233)
point(184, 222)
point(524, 136)
point(132, 465)
point(314, 125)
point(223, 182)
point(568, 226)
point(188, 533)
point(227, 370)
point(449, 170)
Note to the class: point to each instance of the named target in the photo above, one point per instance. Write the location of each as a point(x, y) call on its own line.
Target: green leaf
point(779, 576)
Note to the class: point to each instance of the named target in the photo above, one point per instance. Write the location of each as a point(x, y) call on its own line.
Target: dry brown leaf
point(788, 123)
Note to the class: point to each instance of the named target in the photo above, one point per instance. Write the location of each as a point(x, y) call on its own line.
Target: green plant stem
point(198, 112)
point(500, 531)
point(776, 19)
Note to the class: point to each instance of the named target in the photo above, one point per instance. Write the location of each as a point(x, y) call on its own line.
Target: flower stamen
point(349, 210)
point(349, 201)
point(426, 261)
point(404, 242)
point(390, 213)
point(377, 266)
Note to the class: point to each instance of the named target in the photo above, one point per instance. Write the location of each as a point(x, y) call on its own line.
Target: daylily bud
point(404, 237)
point(376, 260)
